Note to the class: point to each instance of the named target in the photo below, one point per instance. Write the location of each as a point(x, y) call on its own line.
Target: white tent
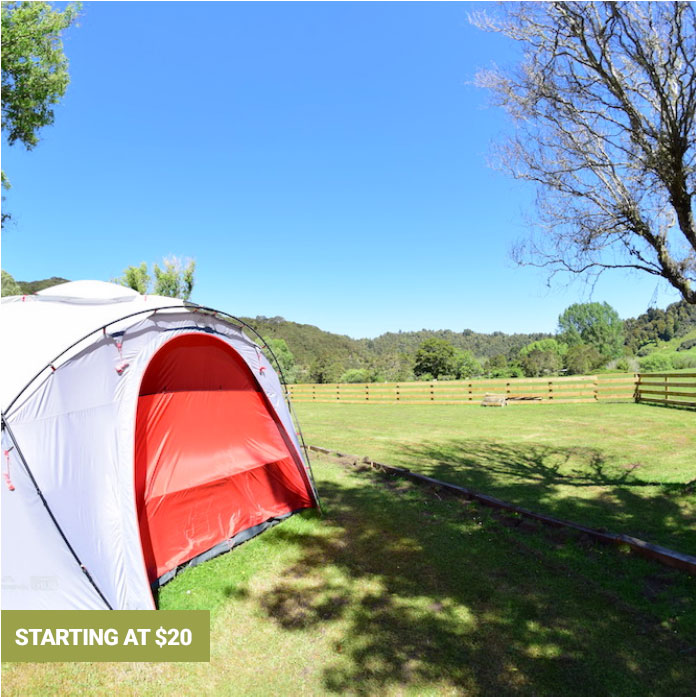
point(140, 435)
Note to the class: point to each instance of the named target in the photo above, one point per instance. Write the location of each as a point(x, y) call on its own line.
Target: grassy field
point(397, 591)
point(628, 468)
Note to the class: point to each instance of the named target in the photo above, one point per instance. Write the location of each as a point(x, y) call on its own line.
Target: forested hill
point(324, 357)
point(314, 355)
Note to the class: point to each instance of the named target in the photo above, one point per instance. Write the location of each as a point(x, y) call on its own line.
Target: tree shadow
point(576, 483)
point(420, 593)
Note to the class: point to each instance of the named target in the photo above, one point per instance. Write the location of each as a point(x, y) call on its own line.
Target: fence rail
point(554, 390)
point(672, 389)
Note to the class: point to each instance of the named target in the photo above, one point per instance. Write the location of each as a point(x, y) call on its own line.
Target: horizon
point(391, 331)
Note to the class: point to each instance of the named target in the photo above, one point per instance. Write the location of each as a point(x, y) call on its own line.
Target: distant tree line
point(589, 337)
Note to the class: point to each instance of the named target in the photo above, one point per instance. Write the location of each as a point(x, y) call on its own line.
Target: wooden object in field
point(669, 389)
point(494, 400)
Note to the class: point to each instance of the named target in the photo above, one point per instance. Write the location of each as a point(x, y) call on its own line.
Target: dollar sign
point(161, 635)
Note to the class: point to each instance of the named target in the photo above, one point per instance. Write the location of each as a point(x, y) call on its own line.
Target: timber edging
point(664, 555)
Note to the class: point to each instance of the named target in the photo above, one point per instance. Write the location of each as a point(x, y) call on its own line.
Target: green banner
point(102, 635)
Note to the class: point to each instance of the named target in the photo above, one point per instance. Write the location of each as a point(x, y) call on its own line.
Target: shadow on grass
point(425, 595)
point(574, 483)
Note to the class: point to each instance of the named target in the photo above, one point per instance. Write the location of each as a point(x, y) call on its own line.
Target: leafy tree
point(604, 105)
point(557, 347)
point(325, 369)
point(280, 350)
point(9, 285)
point(595, 324)
point(137, 278)
point(34, 68)
point(582, 359)
point(465, 365)
point(356, 376)
point(537, 363)
point(435, 357)
point(175, 279)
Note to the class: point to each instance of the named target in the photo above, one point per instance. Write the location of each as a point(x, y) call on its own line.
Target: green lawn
point(397, 591)
point(623, 467)
point(401, 591)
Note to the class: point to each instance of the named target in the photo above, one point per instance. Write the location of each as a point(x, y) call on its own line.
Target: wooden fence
point(552, 390)
point(673, 389)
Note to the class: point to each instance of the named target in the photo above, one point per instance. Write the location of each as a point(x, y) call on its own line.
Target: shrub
point(356, 375)
point(656, 363)
point(687, 344)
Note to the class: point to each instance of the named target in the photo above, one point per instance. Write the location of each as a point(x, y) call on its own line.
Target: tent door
point(212, 459)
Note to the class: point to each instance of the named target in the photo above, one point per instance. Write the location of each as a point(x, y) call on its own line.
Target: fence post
point(367, 392)
point(550, 390)
point(595, 384)
point(398, 394)
point(432, 391)
point(471, 391)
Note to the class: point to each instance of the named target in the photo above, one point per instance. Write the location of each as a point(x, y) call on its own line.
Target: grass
point(398, 591)
point(628, 468)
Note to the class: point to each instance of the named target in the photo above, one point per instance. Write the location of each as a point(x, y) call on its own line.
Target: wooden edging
point(684, 562)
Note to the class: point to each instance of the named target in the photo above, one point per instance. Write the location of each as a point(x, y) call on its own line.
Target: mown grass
point(628, 468)
point(401, 591)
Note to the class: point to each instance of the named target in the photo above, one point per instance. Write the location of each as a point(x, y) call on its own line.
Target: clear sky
point(326, 162)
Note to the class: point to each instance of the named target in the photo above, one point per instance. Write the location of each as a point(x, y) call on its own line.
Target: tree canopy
point(174, 279)
point(594, 324)
point(435, 357)
point(34, 68)
point(604, 104)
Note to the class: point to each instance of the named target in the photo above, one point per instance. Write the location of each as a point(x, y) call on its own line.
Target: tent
point(140, 435)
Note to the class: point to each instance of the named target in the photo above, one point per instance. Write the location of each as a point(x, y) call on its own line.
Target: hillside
point(321, 356)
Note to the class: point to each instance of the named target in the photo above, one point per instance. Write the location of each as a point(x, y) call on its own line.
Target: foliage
point(656, 363)
point(659, 362)
point(137, 278)
point(31, 287)
point(279, 349)
point(465, 365)
point(435, 357)
point(34, 68)
point(553, 345)
point(604, 105)
point(356, 376)
point(582, 359)
point(175, 279)
point(9, 285)
point(594, 324)
point(659, 325)
point(537, 363)
point(325, 369)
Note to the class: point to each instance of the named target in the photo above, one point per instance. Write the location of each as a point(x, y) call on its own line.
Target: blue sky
point(326, 162)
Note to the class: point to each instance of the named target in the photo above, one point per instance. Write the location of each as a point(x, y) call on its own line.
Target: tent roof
point(36, 328)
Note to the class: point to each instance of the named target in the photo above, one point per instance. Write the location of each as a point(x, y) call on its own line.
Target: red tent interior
point(211, 456)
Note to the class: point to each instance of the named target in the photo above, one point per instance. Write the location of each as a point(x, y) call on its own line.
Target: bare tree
point(604, 102)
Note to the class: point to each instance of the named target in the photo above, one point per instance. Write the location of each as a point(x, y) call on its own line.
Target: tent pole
point(6, 426)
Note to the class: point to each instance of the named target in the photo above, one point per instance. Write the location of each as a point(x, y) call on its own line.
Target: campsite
point(393, 588)
point(348, 349)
